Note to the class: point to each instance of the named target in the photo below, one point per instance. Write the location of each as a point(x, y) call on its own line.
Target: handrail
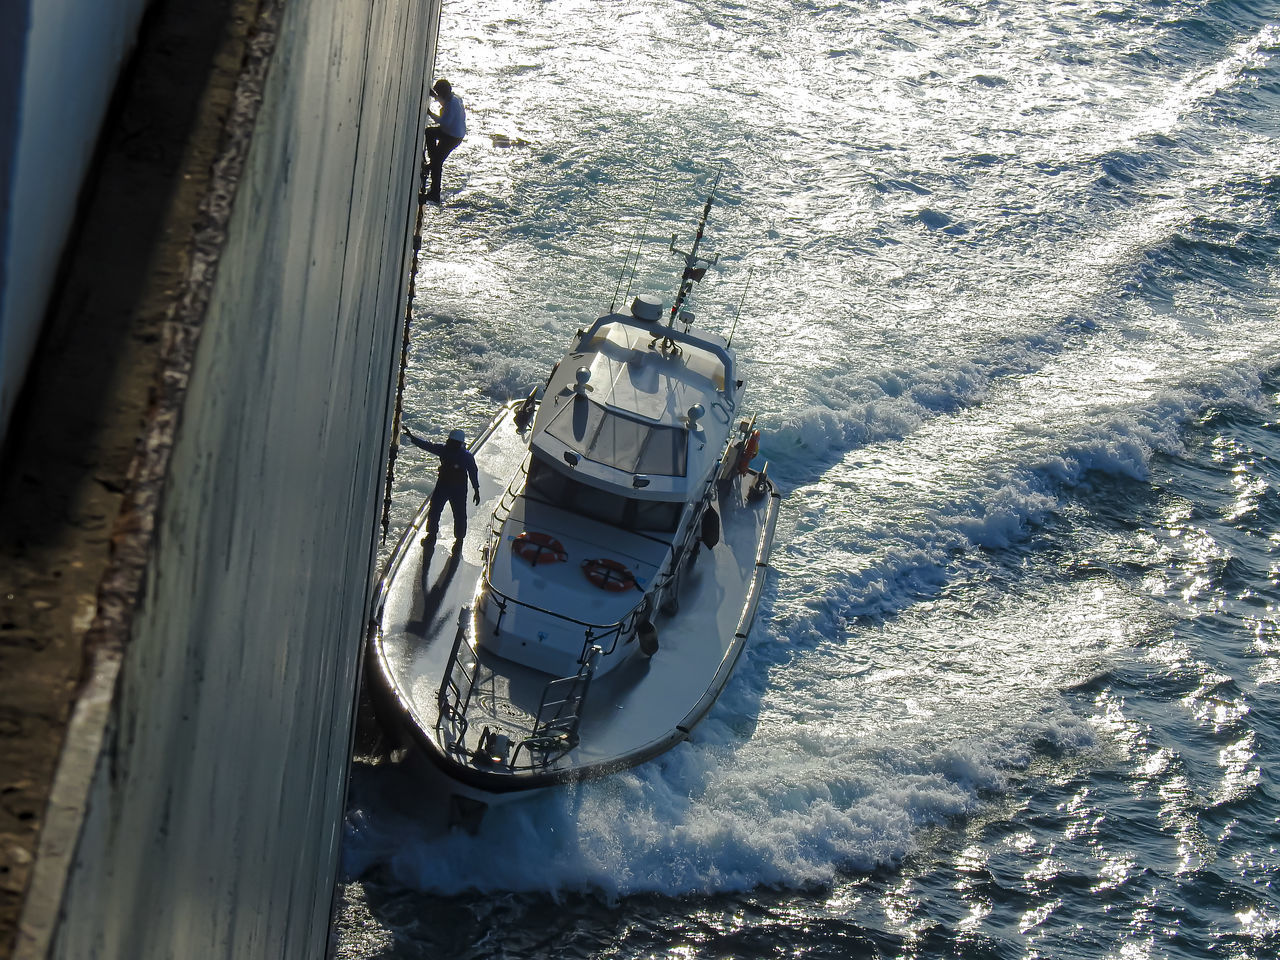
point(555, 727)
point(503, 510)
point(450, 699)
point(595, 632)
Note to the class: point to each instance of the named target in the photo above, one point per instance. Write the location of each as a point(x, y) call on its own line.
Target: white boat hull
point(638, 710)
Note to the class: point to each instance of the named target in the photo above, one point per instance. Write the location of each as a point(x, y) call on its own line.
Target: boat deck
point(633, 712)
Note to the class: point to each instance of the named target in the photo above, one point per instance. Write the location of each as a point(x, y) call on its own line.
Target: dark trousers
point(439, 146)
point(457, 499)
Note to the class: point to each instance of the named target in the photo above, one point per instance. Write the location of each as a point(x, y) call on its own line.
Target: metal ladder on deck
point(555, 729)
point(451, 699)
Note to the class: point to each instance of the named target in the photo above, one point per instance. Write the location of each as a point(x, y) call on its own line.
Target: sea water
point(1003, 281)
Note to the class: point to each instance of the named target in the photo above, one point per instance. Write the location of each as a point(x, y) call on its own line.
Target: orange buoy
point(539, 548)
point(609, 575)
point(749, 451)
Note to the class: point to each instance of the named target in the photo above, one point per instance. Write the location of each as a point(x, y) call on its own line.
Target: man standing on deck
point(457, 465)
point(441, 140)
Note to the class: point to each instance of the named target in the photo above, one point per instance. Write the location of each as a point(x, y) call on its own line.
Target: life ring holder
point(609, 575)
point(538, 548)
point(750, 447)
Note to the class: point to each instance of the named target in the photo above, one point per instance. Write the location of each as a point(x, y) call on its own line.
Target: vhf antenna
point(634, 261)
point(745, 287)
point(694, 267)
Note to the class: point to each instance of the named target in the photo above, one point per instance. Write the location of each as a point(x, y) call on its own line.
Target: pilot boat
point(595, 619)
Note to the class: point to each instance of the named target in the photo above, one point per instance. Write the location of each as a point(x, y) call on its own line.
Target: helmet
point(458, 436)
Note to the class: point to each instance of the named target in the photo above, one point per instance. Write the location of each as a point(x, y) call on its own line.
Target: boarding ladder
point(555, 729)
point(455, 689)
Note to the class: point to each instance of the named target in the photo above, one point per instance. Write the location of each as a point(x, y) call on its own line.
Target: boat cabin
point(624, 450)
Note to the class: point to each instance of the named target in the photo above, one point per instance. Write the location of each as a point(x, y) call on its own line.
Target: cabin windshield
point(551, 486)
point(618, 441)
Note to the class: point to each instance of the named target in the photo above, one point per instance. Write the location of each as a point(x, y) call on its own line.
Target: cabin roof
point(622, 401)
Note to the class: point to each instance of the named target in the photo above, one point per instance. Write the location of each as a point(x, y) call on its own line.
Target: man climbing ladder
point(442, 139)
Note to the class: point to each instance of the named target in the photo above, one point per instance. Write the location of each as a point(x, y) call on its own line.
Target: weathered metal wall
point(59, 60)
point(215, 811)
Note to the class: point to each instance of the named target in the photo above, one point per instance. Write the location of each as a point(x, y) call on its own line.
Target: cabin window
point(607, 437)
point(550, 485)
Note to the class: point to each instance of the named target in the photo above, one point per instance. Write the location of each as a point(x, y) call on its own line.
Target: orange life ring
point(749, 450)
point(609, 575)
point(539, 548)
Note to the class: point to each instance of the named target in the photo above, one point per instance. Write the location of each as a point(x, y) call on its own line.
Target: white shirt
point(453, 117)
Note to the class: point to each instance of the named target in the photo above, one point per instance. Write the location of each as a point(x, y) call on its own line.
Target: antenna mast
point(694, 267)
